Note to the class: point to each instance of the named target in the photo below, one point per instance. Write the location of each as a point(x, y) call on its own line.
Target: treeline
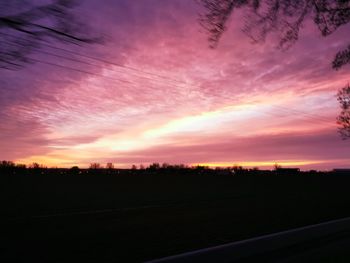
point(11, 168)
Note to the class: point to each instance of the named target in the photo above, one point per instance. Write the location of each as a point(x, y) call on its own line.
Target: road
point(325, 242)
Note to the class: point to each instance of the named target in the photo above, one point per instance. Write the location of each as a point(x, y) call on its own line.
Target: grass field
point(136, 218)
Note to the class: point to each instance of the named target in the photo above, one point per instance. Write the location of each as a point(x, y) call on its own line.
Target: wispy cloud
point(170, 98)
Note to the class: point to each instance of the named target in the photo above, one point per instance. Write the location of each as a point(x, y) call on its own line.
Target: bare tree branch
point(344, 117)
point(24, 31)
point(341, 58)
point(284, 17)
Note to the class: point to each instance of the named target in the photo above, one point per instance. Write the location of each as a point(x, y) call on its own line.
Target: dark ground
point(135, 218)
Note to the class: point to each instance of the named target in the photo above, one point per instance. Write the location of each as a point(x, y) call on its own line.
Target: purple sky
point(172, 99)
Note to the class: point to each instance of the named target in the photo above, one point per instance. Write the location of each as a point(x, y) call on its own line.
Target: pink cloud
point(52, 111)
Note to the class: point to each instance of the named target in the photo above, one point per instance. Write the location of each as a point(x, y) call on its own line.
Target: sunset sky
point(162, 95)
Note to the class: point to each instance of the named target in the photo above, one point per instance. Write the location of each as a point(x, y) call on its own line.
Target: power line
point(309, 119)
point(99, 66)
point(95, 65)
point(79, 70)
point(106, 61)
point(310, 115)
point(83, 62)
point(116, 64)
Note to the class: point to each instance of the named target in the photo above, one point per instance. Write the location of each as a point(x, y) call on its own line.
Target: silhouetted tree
point(180, 166)
point(109, 166)
point(154, 166)
point(24, 26)
point(134, 167)
point(34, 166)
point(277, 166)
point(75, 170)
point(237, 167)
point(7, 167)
point(95, 166)
point(284, 17)
point(344, 117)
point(238, 170)
point(6, 164)
point(165, 165)
point(200, 167)
point(21, 166)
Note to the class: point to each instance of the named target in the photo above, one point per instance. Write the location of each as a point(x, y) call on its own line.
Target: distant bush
point(7, 164)
point(9, 167)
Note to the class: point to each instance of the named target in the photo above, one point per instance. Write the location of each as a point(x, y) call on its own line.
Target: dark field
point(135, 218)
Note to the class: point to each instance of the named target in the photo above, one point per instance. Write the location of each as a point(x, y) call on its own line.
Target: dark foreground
point(324, 242)
point(137, 218)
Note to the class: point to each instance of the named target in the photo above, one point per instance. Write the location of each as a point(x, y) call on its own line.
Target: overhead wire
point(161, 81)
point(105, 61)
point(79, 70)
point(314, 116)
